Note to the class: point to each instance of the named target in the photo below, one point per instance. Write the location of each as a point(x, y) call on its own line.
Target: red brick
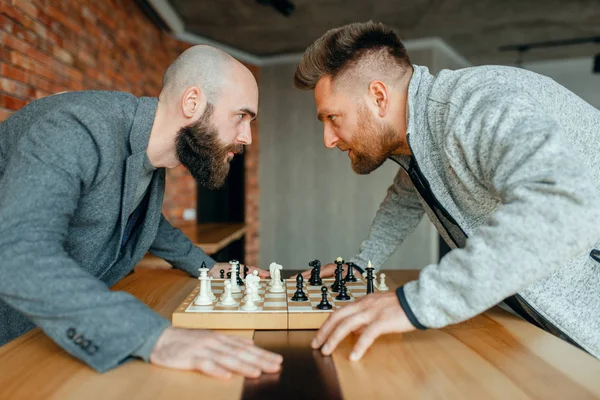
point(5, 113)
point(11, 102)
point(27, 7)
point(15, 88)
point(12, 72)
point(62, 55)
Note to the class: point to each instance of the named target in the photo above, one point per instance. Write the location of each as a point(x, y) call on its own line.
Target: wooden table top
point(495, 355)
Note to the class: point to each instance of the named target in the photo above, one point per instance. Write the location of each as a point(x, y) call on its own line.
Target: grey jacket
point(511, 161)
point(69, 166)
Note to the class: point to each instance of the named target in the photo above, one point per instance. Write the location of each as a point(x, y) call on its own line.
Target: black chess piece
point(240, 282)
point(229, 275)
point(370, 286)
point(339, 270)
point(246, 270)
point(350, 274)
point(299, 295)
point(203, 265)
point(222, 272)
point(343, 295)
point(324, 304)
point(315, 273)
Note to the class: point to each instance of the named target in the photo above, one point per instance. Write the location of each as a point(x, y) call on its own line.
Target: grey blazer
point(69, 165)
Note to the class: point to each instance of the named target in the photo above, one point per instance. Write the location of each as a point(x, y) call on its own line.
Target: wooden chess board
point(275, 311)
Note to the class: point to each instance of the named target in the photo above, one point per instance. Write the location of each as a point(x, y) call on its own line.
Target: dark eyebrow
point(249, 112)
point(323, 113)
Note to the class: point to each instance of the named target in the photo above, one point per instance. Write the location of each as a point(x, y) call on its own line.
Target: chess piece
point(272, 267)
point(253, 280)
point(222, 272)
point(277, 286)
point(249, 304)
point(382, 286)
point(203, 298)
point(226, 298)
point(339, 270)
point(343, 295)
point(315, 273)
point(234, 283)
point(299, 295)
point(238, 271)
point(370, 287)
point(229, 275)
point(246, 269)
point(324, 304)
point(210, 292)
point(350, 274)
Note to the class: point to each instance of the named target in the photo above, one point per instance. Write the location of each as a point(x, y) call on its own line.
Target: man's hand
point(327, 271)
point(214, 354)
point(375, 314)
point(215, 271)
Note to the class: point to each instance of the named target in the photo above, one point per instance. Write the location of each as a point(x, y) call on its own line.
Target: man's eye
point(332, 117)
point(241, 116)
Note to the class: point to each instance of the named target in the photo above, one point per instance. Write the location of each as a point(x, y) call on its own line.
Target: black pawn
point(350, 275)
point(203, 265)
point(370, 286)
point(343, 295)
point(299, 295)
point(222, 272)
point(339, 270)
point(229, 275)
point(324, 304)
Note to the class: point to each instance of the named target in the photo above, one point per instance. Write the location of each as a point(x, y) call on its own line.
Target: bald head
point(201, 66)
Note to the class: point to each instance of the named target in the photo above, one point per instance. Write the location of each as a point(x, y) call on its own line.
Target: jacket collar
point(139, 136)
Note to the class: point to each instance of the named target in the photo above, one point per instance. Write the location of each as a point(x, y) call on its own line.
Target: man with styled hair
point(504, 162)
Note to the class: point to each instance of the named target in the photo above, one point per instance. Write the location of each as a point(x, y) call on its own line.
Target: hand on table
point(212, 353)
point(215, 271)
point(373, 315)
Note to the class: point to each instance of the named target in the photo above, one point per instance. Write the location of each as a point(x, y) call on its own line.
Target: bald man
point(82, 179)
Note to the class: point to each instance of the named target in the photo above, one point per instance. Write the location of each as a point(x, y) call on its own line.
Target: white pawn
point(210, 292)
point(277, 286)
point(249, 304)
point(226, 298)
point(382, 286)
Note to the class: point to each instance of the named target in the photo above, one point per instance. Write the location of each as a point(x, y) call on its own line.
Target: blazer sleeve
point(54, 163)
point(173, 246)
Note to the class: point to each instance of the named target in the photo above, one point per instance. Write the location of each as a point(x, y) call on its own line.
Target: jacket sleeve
point(549, 211)
point(173, 246)
point(398, 215)
point(53, 165)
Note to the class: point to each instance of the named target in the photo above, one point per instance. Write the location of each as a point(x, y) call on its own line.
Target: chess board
point(276, 311)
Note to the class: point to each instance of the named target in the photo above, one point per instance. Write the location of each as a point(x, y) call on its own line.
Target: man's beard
point(199, 149)
point(372, 143)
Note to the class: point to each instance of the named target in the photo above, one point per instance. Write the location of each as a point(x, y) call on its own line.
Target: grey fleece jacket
point(511, 160)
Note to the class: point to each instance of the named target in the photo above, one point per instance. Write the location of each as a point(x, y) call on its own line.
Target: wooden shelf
point(210, 237)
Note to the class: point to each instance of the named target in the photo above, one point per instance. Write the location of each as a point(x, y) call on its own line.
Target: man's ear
point(379, 98)
point(193, 102)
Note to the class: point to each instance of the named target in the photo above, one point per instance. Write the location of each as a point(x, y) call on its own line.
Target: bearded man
point(82, 179)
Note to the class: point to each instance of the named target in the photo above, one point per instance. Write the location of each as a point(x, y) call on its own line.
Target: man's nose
point(330, 139)
point(245, 137)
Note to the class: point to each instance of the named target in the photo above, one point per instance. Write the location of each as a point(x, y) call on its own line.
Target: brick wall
point(50, 46)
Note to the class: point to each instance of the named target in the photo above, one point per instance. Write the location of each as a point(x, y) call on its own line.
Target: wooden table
point(210, 237)
point(495, 355)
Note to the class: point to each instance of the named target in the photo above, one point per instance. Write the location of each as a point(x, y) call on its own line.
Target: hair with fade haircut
point(369, 49)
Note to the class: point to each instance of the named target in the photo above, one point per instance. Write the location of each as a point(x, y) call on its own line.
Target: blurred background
point(288, 199)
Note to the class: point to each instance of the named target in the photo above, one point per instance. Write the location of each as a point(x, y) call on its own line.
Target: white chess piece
point(203, 298)
point(253, 280)
point(382, 286)
point(226, 298)
point(210, 292)
point(272, 267)
point(234, 286)
point(277, 286)
point(249, 304)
